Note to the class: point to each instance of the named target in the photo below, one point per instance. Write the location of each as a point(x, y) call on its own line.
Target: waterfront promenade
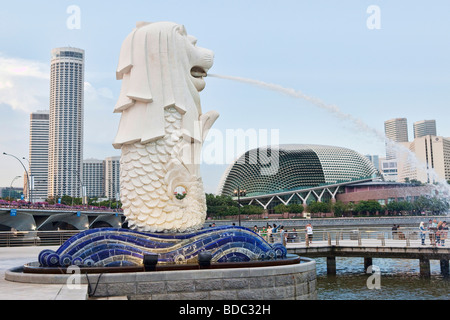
point(13, 257)
point(366, 243)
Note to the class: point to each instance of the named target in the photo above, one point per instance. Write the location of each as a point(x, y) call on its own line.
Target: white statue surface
point(162, 128)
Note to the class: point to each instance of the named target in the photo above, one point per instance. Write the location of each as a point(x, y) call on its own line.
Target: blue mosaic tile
point(102, 245)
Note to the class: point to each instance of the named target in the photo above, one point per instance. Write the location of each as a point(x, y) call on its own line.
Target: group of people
point(268, 232)
point(272, 233)
point(437, 232)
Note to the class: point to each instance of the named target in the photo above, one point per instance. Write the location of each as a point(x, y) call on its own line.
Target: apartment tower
point(65, 152)
point(396, 130)
point(38, 154)
point(424, 128)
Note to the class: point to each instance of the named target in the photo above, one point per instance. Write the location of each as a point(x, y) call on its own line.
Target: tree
point(339, 208)
point(369, 206)
point(295, 208)
point(316, 207)
point(248, 210)
point(281, 208)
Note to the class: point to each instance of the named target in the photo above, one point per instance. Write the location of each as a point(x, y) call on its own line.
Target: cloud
point(24, 84)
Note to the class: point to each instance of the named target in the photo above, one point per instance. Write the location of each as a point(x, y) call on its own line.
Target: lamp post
point(26, 171)
point(31, 184)
point(83, 197)
point(239, 192)
point(10, 187)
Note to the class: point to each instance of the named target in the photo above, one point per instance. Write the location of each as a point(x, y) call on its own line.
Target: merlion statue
point(162, 128)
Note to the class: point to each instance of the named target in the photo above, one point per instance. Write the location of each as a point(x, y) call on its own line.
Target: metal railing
point(35, 238)
point(362, 236)
point(358, 237)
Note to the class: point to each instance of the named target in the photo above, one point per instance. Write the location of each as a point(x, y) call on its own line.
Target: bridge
point(31, 219)
point(371, 244)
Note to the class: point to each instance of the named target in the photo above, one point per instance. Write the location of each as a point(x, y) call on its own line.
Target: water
point(399, 280)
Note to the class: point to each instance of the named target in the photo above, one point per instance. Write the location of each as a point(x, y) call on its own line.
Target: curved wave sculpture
point(111, 247)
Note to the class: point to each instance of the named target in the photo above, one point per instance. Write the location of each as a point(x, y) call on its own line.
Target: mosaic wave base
point(112, 247)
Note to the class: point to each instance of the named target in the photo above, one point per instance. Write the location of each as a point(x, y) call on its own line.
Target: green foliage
point(369, 206)
point(220, 205)
point(291, 208)
point(340, 208)
point(316, 207)
point(295, 208)
point(281, 208)
point(248, 210)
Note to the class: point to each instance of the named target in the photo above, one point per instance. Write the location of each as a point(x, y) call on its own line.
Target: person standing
point(309, 232)
point(423, 232)
point(282, 235)
point(269, 234)
point(431, 232)
point(444, 233)
point(263, 233)
point(439, 233)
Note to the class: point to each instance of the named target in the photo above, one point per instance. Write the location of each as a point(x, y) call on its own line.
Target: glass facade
point(65, 162)
point(298, 167)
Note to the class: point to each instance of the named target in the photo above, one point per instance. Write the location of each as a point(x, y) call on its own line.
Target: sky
point(373, 60)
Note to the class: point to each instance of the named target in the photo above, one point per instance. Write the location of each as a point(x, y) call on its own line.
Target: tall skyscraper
point(112, 177)
point(431, 161)
point(65, 165)
point(424, 128)
point(397, 131)
point(38, 154)
point(94, 177)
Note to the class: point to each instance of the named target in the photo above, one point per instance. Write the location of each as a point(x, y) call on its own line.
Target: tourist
point(423, 232)
point(394, 231)
point(444, 233)
point(255, 228)
point(269, 234)
point(292, 235)
point(438, 233)
point(309, 232)
point(283, 235)
point(263, 233)
point(431, 232)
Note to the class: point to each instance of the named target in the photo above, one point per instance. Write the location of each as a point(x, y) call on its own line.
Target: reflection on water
point(399, 280)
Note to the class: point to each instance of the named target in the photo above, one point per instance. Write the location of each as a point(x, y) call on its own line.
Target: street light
point(239, 192)
point(31, 178)
point(26, 171)
point(10, 187)
point(83, 192)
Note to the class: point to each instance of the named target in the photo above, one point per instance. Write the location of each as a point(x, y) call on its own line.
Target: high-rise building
point(94, 177)
point(389, 170)
point(397, 131)
point(375, 160)
point(65, 165)
point(428, 160)
point(112, 177)
point(424, 128)
point(38, 154)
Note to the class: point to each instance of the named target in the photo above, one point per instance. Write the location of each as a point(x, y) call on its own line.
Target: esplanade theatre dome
point(282, 168)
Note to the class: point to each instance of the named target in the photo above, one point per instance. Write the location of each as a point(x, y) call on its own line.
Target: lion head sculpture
point(160, 66)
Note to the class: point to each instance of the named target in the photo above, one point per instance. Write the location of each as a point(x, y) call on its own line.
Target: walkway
point(374, 248)
point(17, 256)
